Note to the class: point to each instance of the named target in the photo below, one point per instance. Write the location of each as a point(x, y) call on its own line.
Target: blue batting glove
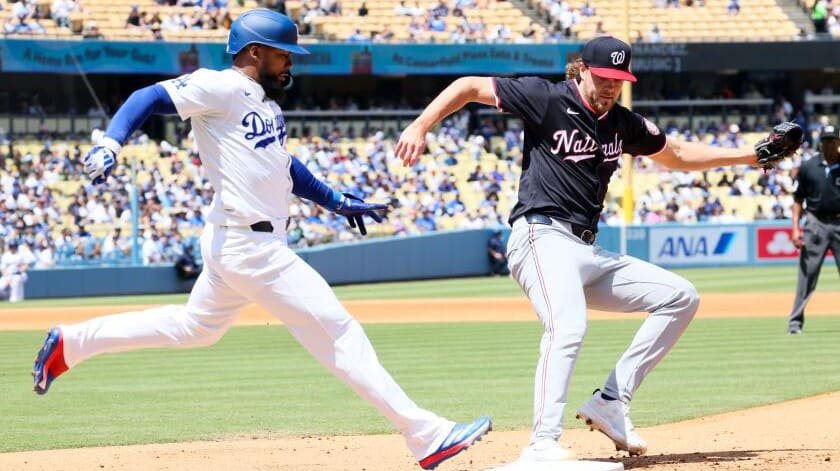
point(355, 208)
point(99, 163)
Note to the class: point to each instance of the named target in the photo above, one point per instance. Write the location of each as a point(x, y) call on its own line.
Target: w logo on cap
point(617, 57)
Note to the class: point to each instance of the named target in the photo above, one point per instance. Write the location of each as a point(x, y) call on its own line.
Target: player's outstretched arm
point(464, 90)
point(132, 114)
point(683, 155)
point(784, 140)
point(305, 185)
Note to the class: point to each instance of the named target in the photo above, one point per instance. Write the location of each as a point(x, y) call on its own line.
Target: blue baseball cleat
point(49, 364)
point(458, 440)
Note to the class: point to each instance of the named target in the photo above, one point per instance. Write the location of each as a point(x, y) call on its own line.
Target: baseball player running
point(575, 133)
point(240, 134)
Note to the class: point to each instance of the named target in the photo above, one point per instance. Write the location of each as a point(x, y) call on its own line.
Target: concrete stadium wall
point(441, 255)
point(450, 254)
point(103, 281)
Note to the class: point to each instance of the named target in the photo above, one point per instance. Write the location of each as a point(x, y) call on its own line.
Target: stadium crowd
point(825, 15)
point(28, 17)
point(57, 217)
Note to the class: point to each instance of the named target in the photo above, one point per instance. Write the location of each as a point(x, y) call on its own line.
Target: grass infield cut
point(258, 381)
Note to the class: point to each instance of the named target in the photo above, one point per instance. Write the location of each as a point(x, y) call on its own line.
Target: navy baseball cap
point(608, 57)
point(829, 131)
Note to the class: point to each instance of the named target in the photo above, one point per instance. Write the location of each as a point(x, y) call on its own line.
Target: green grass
point(258, 380)
point(724, 280)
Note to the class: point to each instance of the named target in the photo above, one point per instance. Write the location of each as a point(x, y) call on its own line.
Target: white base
point(572, 465)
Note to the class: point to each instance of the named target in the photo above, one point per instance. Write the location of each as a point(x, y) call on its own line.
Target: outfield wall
point(451, 254)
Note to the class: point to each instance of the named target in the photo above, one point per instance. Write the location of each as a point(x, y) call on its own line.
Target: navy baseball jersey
point(818, 185)
point(570, 152)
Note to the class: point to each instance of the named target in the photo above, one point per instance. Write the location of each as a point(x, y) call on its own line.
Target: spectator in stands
point(44, 254)
point(499, 34)
point(529, 34)
point(441, 9)
point(333, 7)
point(150, 251)
point(804, 35)
point(783, 109)
point(363, 9)
point(599, 29)
point(61, 10)
point(778, 209)
point(819, 15)
point(157, 34)
point(155, 18)
point(133, 20)
point(426, 222)
point(91, 31)
point(437, 23)
point(733, 8)
point(402, 9)
point(226, 20)
point(654, 36)
point(357, 37)
point(14, 25)
point(23, 11)
point(417, 10)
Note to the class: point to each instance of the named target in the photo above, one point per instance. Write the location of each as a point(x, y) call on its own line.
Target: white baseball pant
point(15, 284)
point(241, 267)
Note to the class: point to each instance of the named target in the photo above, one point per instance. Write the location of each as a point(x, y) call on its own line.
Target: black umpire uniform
point(818, 186)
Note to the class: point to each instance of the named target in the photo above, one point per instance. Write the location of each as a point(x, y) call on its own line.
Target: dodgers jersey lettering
point(570, 152)
point(241, 139)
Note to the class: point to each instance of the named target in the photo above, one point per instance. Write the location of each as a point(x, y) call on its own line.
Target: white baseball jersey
point(10, 262)
point(241, 138)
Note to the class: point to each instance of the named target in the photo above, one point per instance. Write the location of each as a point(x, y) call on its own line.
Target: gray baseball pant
point(819, 236)
point(563, 276)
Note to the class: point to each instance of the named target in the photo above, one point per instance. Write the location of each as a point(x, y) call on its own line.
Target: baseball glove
point(782, 142)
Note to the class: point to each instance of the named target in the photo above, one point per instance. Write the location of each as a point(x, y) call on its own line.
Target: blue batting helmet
point(266, 27)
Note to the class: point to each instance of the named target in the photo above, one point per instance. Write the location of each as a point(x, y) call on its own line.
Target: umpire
point(818, 186)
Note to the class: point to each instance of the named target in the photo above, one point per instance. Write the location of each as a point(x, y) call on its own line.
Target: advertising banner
point(165, 57)
point(97, 56)
point(498, 59)
point(698, 245)
point(775, 243)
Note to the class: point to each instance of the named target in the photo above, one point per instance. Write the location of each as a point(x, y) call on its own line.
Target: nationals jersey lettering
point(241, 139)
point(570, 144)
point(573, 142)
point(570, 152)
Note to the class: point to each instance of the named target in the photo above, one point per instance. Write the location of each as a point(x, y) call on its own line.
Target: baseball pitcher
point(575, 133)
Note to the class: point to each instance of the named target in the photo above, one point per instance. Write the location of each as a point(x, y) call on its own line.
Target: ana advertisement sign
point(698, 245)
